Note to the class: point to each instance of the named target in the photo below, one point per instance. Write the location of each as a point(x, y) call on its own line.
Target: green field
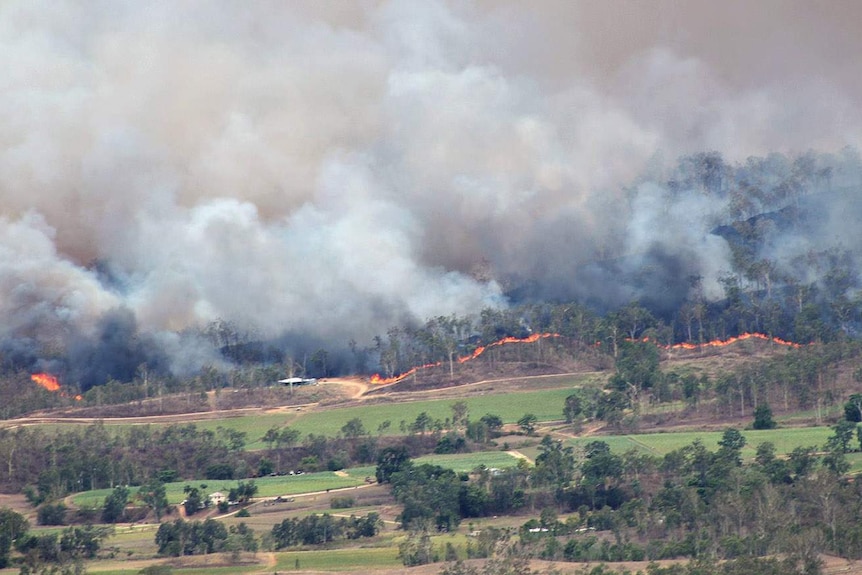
point(267, 486)
point(102, 569)
point(785, 440)
point(545, 404)
point(465, 462)
point(308, 482)
point(338, 559)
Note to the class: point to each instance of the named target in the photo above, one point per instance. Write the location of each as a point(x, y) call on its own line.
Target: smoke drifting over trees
point(330, 170)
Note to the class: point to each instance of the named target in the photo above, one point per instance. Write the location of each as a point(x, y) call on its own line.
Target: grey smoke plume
point(332, 169)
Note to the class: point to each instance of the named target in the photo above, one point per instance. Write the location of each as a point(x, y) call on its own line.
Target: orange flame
point(483, 348)
point(729, 341)
point(377, 379)
point(46, 380)
point(50, 383)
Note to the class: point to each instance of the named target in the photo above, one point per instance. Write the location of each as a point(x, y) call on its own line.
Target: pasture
point(545, 404)
point(338, 559)
point(269, 487)
point(466, 462)
point(660, 444)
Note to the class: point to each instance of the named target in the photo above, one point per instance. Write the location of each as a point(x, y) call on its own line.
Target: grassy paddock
point(308, 482)
point(545, 404)
point(338, 559)
point(466, 462)
point(267, 486)
point(785, 440)
point(111, 569)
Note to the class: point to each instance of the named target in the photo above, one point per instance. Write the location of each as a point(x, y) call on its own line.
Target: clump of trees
point(61, 552)
point(318, 529)
point(12, 527)
point(181, 537)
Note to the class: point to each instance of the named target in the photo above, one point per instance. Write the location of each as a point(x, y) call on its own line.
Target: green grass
point(855, 461)
point(338, 559)
point(545, 404)
point(785, 440)
point(229, 570)
point(308, 482)
point(93, 567)
point(267, 486)
point(465, 462)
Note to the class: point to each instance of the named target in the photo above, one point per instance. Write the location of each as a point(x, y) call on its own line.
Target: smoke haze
point(329, 169)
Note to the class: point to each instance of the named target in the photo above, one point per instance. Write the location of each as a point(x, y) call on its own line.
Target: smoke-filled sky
point(334, 168)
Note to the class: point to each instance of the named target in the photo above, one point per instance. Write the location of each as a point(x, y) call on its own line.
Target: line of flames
point(725, 342)
point(378, 379)
point(50, 382)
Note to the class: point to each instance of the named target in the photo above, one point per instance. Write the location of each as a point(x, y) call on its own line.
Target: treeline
point(817, 378)
point(181, 537)
point(514, 565)
point(48, 465)
point(695, 503)
point(92, 457)
point(584, 336)
point(583, 332)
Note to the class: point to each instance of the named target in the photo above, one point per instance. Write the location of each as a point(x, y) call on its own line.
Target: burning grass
point(377, 379)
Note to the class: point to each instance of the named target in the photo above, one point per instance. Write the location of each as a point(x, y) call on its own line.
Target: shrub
point(342, 502)
point(763, 417)
point(219, 471)
point(52, 514)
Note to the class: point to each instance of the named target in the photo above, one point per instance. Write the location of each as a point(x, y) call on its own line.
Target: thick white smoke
point(334, 169)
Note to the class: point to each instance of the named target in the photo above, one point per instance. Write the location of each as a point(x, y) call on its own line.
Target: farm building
point(298, 381)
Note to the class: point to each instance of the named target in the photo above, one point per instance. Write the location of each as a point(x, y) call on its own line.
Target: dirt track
point(357, 388)
point(143, 419)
